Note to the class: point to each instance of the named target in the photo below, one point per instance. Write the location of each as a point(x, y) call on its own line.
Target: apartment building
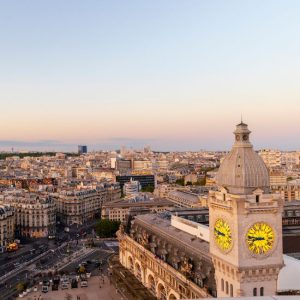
point(7, 225)
point(119, 210)
point(272, 158)
point(35, 214)
point(82, 204)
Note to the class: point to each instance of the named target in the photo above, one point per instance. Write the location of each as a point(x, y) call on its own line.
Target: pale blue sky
point(172, 74)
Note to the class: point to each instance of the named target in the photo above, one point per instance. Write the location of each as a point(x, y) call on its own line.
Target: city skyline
point(175, 75)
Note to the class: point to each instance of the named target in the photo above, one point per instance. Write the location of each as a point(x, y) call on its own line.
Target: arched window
point(227, 288)
point(222, 285)
point(255, 292)
point(257, 198)
point(231, 290)
point(261, 291)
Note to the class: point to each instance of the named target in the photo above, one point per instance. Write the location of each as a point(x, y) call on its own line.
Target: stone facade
point(7, 225)
point(172, 265)
point(249, 263)
point(83, 204)
point(35, 215)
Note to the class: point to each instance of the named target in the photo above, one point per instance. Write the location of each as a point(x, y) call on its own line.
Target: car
point(64, 285)
point(46, 283)
point(54, 287)
point(45, 289)
point(84, 283)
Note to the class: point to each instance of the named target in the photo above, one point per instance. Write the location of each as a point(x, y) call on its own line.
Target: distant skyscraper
point(82, 149)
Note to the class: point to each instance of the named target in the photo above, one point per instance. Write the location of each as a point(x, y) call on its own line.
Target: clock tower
point(245, 222)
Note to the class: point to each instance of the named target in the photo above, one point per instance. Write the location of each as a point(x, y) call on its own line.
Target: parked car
point(64, 285)
point(45, 289)
point(46, 283)
point(83, 283)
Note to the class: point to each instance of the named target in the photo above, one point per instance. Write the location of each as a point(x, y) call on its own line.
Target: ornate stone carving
point(186, 267)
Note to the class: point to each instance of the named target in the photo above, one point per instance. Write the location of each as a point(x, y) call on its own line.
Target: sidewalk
point(92, 292)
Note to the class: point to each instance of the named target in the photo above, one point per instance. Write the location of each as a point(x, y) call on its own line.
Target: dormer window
point(224, 197)
point(257, 198)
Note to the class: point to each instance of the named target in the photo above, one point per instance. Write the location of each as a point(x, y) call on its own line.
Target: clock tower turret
point(245, 222)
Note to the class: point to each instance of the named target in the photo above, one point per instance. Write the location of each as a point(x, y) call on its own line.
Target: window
point(224, 197)
point(227, 288)
point(231, 290)
point(255, 292)
point(222, 285)
point(257, 198)
point(261, 291)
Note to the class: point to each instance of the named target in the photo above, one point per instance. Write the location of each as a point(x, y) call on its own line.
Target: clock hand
point(256, 238)
point(219, 232)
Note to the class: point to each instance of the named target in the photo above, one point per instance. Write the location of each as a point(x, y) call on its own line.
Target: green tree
point(107, 228)
point(180, 181)
point(149, 188)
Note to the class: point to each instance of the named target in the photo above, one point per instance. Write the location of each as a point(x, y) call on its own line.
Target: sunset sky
point(176, 75)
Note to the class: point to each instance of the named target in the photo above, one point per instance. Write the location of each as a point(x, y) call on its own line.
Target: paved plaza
point(92, 292)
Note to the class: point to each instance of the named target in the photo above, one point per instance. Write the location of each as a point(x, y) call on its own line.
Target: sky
point(175, 75)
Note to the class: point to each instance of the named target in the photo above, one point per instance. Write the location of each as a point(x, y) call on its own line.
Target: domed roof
point(243, 170)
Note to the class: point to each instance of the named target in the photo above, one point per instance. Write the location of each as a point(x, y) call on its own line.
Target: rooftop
point(163, 226)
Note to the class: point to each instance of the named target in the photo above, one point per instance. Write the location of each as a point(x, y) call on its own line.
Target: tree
point(149, 188)
point(180, 181)
point(107, 228)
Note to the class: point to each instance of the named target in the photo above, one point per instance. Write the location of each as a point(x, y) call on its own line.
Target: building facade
point(83, 204)
point(238, 254)
point(35, 214)
point(172, 264)
point(184, 198)
point(119, 210)
point(131, 187)
point(7, 225)
point(245, 224)
point(82, 149)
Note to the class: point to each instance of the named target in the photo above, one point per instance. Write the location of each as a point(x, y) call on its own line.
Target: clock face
point(260, 238)
point(245, 137)
point(222, 233)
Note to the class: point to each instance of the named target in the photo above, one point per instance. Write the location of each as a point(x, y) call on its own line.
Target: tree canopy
point(107, 228)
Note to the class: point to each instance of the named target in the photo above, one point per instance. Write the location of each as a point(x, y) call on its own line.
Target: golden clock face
point(260, 238)
point(222, 233)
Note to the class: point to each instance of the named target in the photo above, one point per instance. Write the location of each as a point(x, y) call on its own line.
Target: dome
point(243, 170)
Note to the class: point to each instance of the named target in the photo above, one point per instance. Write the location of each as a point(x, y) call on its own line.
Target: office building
point(82, 149)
